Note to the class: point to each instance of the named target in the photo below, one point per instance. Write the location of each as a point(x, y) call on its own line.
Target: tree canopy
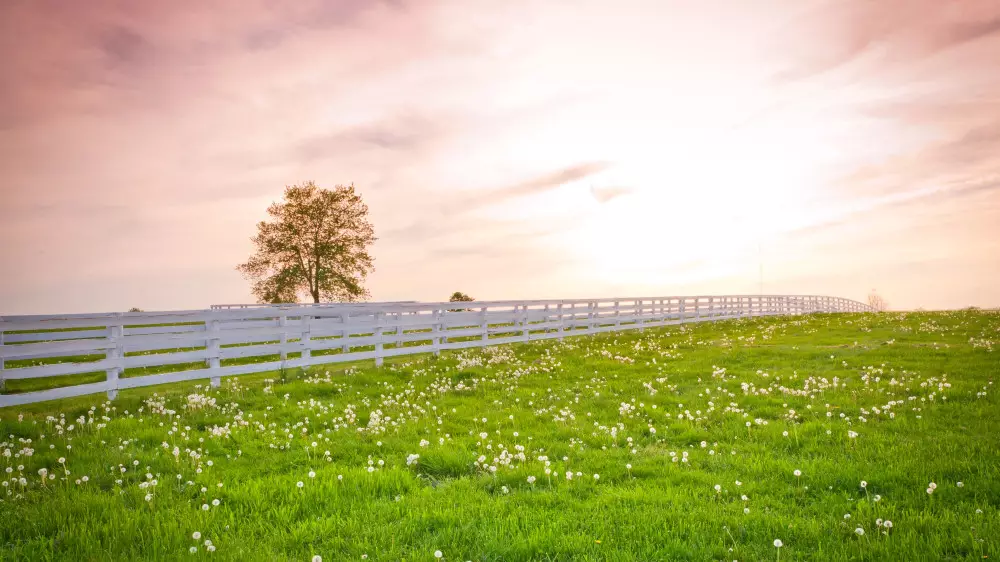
point(459, 296)
point(316, 244)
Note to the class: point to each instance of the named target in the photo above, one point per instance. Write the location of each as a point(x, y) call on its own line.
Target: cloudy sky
point(509, 149)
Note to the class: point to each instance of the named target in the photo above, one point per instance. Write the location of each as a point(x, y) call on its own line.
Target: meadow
point(818, 437)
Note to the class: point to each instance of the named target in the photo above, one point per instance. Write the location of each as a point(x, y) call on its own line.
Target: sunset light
point(852, 141)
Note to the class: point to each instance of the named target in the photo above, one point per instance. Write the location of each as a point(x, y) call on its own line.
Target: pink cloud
point(140, 142)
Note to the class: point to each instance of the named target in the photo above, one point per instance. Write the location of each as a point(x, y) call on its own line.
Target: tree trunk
point(316, 297)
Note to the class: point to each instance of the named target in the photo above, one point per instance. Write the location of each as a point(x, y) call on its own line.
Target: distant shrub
point(876, 302)
point(459, 296)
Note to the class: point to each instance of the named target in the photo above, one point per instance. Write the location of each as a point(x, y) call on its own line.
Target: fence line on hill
point(220, 342)
point(314, 304)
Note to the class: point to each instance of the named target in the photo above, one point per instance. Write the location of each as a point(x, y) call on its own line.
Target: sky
point(517, 149)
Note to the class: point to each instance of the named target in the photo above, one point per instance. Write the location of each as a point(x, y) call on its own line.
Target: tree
point(135, 309)
point(459, 296)
point(316, 244)
point(876, 302)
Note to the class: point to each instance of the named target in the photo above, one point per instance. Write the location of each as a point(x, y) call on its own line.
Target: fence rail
point(220, 342)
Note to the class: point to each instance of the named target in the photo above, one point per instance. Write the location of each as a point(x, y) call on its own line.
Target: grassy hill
point(701, 442)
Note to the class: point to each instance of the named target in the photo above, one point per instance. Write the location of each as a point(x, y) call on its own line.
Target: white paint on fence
point(202, 342)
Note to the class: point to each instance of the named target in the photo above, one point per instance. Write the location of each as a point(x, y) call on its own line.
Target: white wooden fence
point(318, 304)
point(210, 344)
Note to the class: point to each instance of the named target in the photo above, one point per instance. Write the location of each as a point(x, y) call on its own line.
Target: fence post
point(214, 361)
point(638, 315)
point(344, 318)
point(618, 322)
point(485, 325)
point(3, 382)
point(562, 329)
point(681, 313)
point(379, 317)
point(435, 331)
point(305, 339)
point(283, 324)
point(524, 322)
point(115, 353)
point(444, 330)
point(399, 330)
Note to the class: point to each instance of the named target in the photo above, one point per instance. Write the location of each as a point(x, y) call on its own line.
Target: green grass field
point(850, 437)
